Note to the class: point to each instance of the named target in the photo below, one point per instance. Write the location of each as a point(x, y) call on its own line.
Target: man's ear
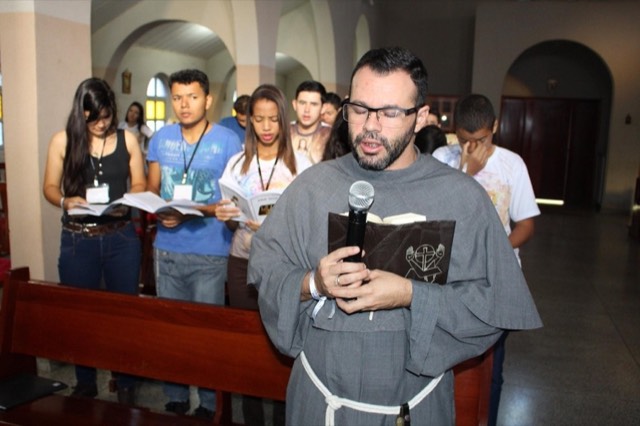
point(421, 119)
point(294, 104)
point(495, 126)
point(208, 102)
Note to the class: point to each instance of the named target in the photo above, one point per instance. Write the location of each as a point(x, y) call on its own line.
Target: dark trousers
point(496, 379)
point(245, 296)
point(240, 294)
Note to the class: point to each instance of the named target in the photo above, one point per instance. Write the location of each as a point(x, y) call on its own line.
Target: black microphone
point(360, 200)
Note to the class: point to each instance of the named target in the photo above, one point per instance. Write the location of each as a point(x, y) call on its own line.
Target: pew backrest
point(215, 347)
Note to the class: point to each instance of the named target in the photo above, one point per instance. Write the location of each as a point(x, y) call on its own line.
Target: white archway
point(562, 21)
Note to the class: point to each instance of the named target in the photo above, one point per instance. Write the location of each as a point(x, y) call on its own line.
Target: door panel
point(581, 173)
point(557, 140)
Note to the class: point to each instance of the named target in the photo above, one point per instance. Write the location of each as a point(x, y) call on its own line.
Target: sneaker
point(177, 407)
point(203, 413)
point(86, 390)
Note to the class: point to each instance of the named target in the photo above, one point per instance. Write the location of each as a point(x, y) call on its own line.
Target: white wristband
point(312, 287)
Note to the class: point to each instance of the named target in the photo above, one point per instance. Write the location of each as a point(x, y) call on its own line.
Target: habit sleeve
point(445, 324)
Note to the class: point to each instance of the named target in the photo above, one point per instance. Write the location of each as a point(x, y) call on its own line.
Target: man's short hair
point(474, 112)
point(333, 99)
point(430, 138)
point(312, 86)
point(241, 105)
point(190, 76)
point(389, 59)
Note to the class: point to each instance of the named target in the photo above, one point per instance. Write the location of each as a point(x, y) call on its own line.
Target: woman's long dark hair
point(285, 148)
point(96, 97)
point(338, 142)
point(140, 120)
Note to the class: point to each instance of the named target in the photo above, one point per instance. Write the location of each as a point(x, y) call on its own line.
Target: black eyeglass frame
point(406, 112)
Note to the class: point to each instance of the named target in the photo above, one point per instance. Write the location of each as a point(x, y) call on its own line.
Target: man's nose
point(372, 122)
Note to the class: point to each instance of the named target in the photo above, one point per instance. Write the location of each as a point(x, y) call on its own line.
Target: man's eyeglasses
point(387, 117)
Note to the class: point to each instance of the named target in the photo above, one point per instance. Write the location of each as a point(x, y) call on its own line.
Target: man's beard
point(393, 149)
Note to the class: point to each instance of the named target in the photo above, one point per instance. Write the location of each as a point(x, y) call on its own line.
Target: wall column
point(256, 29)
point(45, 51)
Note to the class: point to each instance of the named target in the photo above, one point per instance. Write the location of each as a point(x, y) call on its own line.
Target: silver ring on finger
point(337, 280)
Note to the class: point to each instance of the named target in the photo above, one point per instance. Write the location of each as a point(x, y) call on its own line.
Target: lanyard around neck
point(98, 171)
point(193, 154)
point(265, 188)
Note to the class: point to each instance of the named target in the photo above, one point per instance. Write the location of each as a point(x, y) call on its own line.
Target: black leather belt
point(94, 229)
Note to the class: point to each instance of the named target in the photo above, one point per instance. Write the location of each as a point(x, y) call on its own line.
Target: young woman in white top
point(267, 162)
point(134, 122)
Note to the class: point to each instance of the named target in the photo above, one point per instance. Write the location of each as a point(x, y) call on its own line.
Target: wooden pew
point(215, 347)
point(472, 387)
point(209, 346)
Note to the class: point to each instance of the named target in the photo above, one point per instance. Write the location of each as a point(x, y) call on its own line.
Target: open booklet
point(397, 219)
point(147, 201)
point(255, 207)
point(405, 244)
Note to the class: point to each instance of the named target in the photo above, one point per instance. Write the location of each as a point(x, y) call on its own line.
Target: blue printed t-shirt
point(232, 123)
point(207, 236)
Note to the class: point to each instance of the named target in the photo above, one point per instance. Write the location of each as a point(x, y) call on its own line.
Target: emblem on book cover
point(423, 262)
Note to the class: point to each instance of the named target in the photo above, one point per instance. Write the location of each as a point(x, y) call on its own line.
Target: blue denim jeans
point(112, 260)
point(195, 278)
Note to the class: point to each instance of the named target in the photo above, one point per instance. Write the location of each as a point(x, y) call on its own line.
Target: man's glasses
point(387, 117)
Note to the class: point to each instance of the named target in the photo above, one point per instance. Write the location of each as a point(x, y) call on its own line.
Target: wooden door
point(557, 140)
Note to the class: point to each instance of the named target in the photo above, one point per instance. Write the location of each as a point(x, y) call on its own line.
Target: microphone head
point(361, 195)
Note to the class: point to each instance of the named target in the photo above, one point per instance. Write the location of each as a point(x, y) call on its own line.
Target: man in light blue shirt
point(238, 123)
point(186, 160)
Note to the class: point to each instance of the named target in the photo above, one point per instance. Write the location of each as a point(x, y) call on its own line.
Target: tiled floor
point(149, 395)
point(583, 367)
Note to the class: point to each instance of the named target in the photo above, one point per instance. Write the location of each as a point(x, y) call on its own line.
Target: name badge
point(98, 194)
point(182, 192)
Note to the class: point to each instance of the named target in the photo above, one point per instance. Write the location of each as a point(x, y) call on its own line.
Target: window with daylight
point(156, 104)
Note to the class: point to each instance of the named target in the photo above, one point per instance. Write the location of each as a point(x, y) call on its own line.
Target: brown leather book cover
point(418, 251)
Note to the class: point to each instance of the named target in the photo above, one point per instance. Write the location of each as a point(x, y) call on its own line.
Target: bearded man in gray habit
point(369, 343)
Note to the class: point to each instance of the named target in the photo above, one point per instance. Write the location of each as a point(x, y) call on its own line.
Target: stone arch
point(566, 90)
point(289, 74)
point(108, 49)
point(578, 71)
point(494, 53)
point(230, 85)
point(306, 34)
point(363, 39)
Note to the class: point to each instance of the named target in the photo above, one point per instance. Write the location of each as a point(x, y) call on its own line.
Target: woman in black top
point(92, 162)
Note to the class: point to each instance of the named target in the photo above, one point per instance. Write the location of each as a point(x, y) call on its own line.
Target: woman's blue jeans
point(111, 262)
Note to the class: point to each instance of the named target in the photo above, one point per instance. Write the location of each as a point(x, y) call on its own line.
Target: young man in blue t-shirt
point(185, 162)
point(238, 123)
